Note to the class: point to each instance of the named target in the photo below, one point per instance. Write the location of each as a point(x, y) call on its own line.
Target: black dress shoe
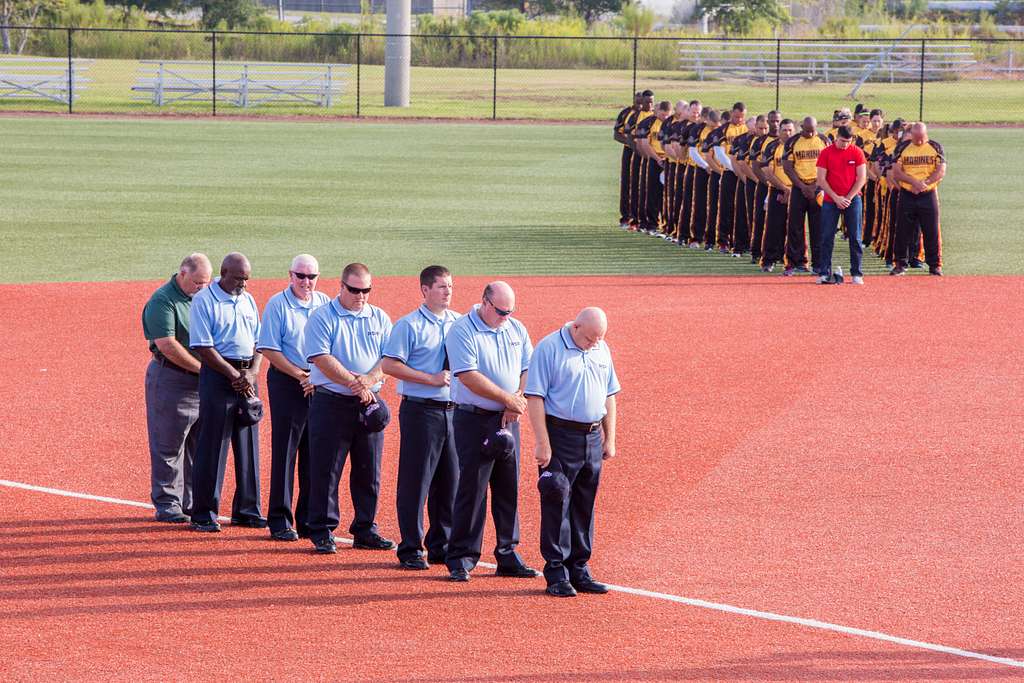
point(373, 542)
point(588, 585)
point(414, 563)
point(172, 517)
point(520, 572)
point(325, 546)
point(208, 527)
point(284, 535)
point(460, 575)
point(562, 589)
point(251, 522)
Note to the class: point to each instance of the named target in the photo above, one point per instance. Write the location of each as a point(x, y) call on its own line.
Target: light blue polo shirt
point(501, 355)
point(418, 341)
point(284, 318)
point(573, 383)
point(355, 339)
point(229, 324)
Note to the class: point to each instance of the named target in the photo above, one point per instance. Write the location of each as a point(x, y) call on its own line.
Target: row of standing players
point(721, 181)
point(465, 383)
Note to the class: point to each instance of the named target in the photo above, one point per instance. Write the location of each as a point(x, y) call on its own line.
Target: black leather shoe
point(172, 517)
point(250, 522)
point(284, 535)
point(588, 585)
point(520, 572)
point(208, 527)
point(325, 546)
point(414, 563)
point(373, 542)
point(460, 575)
point(562, 589)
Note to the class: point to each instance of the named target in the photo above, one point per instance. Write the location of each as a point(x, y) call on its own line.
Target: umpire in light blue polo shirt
point(489, 353)
point(224, 324)
point(344, 340)
point(290, 389)
point(428, 469)
point(571, 395)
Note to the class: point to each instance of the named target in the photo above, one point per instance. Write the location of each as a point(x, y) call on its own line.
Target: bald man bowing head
point(571, 402)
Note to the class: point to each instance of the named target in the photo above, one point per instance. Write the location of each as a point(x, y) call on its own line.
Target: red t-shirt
point(841, 167)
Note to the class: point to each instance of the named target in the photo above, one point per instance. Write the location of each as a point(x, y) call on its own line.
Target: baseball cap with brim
point(248, 410)
point(499, 445)
point(842, 116)
point(375, 415)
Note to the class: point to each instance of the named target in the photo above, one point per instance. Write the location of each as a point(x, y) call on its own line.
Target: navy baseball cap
point(499, 445)
point(553, 486)
point(248, 410)
point(375, 415)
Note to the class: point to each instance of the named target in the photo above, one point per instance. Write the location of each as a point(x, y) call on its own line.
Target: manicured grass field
point(573, 94)
point(89, 199)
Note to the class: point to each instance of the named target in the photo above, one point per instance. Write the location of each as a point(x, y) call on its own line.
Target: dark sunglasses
point(356, 290)
point(500, 311)
point(306, 276)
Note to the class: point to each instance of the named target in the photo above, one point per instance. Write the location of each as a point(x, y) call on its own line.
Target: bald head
point(809, 127)
point(234, 273)
point(497, 304)
point(919, 133)
point(589, 328)
point(196, 261)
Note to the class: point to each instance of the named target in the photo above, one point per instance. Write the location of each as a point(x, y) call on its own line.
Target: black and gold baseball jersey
point(774, 152)
point(918, 161)
point(620, 120)
point(804, 152)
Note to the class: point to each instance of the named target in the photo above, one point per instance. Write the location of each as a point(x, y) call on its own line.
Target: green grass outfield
point(91, 199)
point(572, 94)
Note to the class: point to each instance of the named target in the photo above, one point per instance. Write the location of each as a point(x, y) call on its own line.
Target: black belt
point(163, 361)
point(239, 363)
point(447, 405)
point(469, 408)
point(334, 394)
point(575, 426)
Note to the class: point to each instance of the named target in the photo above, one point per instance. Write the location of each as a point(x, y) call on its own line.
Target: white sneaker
point(825, 280)
point(858, 280)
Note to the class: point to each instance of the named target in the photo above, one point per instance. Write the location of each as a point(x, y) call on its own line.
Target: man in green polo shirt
point(172, 389)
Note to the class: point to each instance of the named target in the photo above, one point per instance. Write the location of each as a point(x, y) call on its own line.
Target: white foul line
point(692, 602)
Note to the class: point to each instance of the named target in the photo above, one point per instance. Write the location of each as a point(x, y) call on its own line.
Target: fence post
point(778, 71)
point(494, 77)
point(71, 77)
point(213, 44)
point(920, 111)
point(359, 64)
point(635, 45)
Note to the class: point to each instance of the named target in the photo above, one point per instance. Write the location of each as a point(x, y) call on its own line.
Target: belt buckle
point(244, 364)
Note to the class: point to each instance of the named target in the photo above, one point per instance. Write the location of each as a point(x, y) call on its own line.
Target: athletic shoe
point(935, 271)
point(825, 280)
point(207, 527)
point(837, 276)
point(624, 226)
point(709, 249)
point(803, 269)
point(858, 280)
point(285, 535)
point(916, 264)
point(694, 245)
point(898, 270)
point(769, 268)
point(372, 541)
point(723, 250)
point(788, 272)
point(736, 254)
point(458, 575)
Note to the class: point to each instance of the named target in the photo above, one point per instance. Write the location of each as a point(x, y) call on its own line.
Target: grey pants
point(172, 417)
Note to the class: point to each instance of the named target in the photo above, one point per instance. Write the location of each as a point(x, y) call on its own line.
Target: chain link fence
point(341, 74)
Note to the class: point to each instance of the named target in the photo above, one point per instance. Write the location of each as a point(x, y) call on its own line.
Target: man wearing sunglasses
point(428, 468)
point(290, 389)
point(571, 395)
point(489, 352)
point(344, 340)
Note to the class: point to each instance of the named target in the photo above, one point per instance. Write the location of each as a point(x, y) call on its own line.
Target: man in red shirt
point(842, 172)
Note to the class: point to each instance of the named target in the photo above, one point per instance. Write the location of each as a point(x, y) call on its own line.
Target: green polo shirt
point(166, 315)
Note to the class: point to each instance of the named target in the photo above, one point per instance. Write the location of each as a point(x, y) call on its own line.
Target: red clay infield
point(851, 455)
